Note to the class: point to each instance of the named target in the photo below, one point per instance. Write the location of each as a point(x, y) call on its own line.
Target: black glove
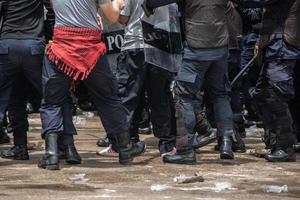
point(148, 11)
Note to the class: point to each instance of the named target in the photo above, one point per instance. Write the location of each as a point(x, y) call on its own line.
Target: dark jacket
point(235, 26)
point(22, 19)
point(205, 23)
point(280, 16)
point(251, 18)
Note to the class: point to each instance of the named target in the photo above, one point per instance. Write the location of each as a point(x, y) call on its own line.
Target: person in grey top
point(135, 76)
point(83, 13)
point(77, 33)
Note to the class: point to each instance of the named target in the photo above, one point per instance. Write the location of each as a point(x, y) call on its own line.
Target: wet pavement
point(246, 177)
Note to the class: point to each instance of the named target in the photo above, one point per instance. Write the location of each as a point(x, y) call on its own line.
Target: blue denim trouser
point(196, 75)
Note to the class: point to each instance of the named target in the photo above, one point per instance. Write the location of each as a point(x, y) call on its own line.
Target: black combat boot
point(205, 135)
point(241, 129)
point(3, 136)
point(127, 149)
point(238, 144)
point(282, 155)
point(61, 148)
point(285, 138)
point(270, 138)
point(239, 124)
point(185, 154)
point(103, 142)
point(226, 138)
point(225, 147)
point(198, 141)
point(4, 139)
point(50, 160)
point(17, 152)
point(71, 154)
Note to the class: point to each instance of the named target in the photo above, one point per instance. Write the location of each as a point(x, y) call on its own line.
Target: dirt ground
point(105, 178)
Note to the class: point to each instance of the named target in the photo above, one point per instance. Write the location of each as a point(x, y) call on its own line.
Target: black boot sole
point(226, 156)
point(288, 159)
point(239, 150)
point(130, 160)
point(49, 167)
point(211, 140)
point(73, 161)
point(14, 157)
point(126, 162)
point(191, 162)
point(18, 158)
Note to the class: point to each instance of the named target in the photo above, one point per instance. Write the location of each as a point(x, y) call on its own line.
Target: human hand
point(121, 4)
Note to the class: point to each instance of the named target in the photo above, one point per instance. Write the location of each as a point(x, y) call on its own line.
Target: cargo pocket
point(186, 77)
point(38, 50)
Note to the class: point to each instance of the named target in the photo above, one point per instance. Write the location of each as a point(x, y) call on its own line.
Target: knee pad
point(187, 90)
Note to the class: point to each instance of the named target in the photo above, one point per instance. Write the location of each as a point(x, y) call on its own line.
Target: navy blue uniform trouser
point(294, 104)
point(18, 56)
point(102, 86)
point(274, 89)
point(19, 60)
point(249, 79)
point(134, 78)
point(233, 70)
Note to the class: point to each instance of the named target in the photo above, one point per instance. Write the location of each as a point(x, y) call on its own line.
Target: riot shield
point(162, 37)
point(112, 36)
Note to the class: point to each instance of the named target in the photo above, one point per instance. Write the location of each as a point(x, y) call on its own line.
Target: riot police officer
point(280, 44)
point(204, 66)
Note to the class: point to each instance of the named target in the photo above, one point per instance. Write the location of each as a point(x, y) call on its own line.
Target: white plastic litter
point(79, 121)
point(221, 186)
point(188, 179)
point(30, 128)
point(88, 114)
point(159, 187)
point(78, 178)
point(275, 188)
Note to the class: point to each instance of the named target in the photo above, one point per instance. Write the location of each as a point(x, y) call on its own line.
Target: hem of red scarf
point(67, 69)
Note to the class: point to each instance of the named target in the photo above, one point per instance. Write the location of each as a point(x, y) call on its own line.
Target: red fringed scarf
point(76, 51)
